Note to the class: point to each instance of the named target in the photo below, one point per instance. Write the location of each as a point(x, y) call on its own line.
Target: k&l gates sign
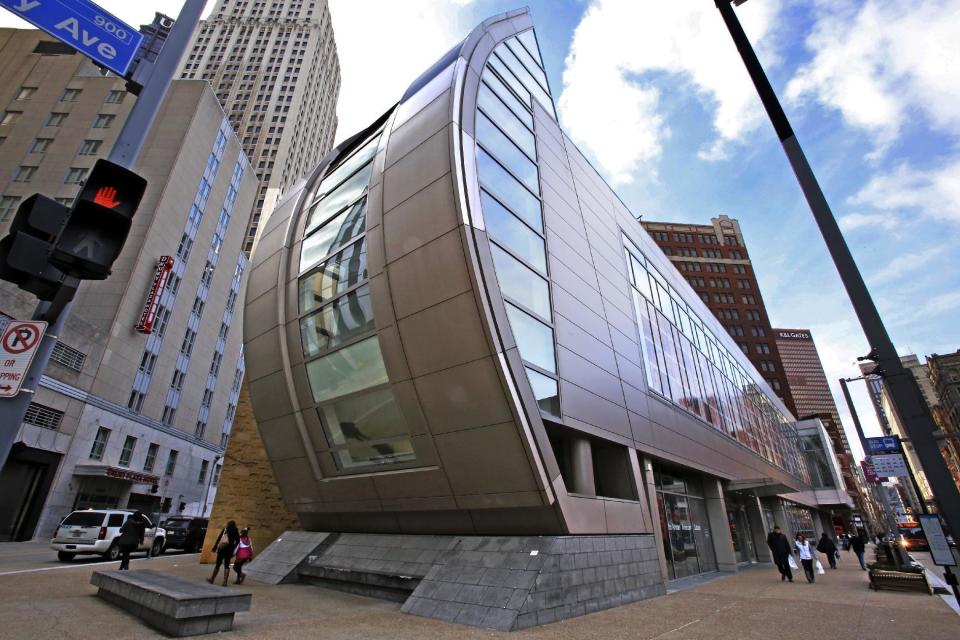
point(84, 26)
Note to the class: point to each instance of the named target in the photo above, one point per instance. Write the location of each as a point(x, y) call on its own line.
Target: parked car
point(94, 531)
point(184, 532)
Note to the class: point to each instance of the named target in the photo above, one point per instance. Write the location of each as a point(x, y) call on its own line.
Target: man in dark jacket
point(131, 538)
point(858, 546)
point(828, 548)
point(780, 549)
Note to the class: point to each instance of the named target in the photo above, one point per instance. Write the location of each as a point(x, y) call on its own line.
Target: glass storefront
point(740, 530)
point(801, 520)
point(687, 539)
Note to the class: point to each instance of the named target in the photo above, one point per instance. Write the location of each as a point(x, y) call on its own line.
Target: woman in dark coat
point(131, 538)
point(828, 548)
point(225, 550)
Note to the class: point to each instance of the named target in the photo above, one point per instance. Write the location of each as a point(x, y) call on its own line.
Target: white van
point(96, 531)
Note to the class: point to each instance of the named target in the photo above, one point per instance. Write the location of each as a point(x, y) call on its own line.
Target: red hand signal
point(105, 197)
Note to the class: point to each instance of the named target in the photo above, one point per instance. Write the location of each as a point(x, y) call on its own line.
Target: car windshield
point(913, 533)
point(177, 522)
point(84, 519)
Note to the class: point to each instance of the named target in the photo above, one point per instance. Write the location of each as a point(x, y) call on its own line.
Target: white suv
point(96, 531)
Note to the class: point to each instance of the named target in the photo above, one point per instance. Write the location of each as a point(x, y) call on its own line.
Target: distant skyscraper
point(714, 260)
point(275, 69)
point(945, 375)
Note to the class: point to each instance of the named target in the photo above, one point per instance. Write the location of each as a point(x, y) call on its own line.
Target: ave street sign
point(84, 26)
point(889, 465)
point(17, 345)
point(884, 444)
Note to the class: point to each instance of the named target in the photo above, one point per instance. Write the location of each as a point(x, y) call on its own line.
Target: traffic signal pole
point(904, 390)
point(125, 152)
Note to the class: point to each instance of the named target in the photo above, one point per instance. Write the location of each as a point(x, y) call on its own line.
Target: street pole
point(887, 507)
point(125, 152)
point(908, 400)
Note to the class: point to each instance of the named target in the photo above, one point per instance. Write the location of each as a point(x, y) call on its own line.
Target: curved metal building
point(454, 326)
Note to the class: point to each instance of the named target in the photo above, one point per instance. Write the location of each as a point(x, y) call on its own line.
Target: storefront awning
point(117, 473)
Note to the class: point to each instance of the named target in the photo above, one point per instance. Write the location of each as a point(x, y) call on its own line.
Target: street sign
point(889, 465)
point(869, 473)
point(17, 346)
point(95, 33)
point(937, 540)
point(884, 444)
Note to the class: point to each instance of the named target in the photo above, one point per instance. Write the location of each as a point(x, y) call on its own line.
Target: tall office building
point(275, 70)
point(126, 417)
point(944, 371)
point(715, 261)
point(811, 391)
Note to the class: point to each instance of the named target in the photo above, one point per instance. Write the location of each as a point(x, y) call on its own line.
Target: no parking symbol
point(17, 347)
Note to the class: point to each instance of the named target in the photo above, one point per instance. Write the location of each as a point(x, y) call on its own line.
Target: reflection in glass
point(341, 229)
point(350, 369)
point(342, 196)
point(508, 153)
point(521, 283)
point(534, 339)
point(506, 228)
point(545, 391)
point(349, 317)
point(528, 62)
point(529, 40)
point(508, 190)
point(507, 76)
point(506, 119)
point(349, 165)
point(397, 451)
point(368, 417)
point(339, 273)
point(524, 76)
point(495, 83)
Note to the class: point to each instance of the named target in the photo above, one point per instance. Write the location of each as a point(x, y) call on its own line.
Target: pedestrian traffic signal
point(99, 223)
point(25, 251)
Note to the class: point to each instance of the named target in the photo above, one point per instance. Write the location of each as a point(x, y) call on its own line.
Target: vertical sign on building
point(149, 314)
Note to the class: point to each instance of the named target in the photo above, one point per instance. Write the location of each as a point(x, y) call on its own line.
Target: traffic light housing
point(25, 251)
point(100, 221)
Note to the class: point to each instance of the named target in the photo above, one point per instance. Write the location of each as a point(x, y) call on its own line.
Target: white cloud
point(934, 192)
point(610, 103)
point(858, 220)
point(880, 62)
point(383, 46)
point(905, 263)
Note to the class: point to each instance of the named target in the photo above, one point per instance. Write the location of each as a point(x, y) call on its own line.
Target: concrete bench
point(898, 580)
point(172, 605)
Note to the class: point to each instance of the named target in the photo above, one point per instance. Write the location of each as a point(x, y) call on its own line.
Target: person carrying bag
point(225, 551)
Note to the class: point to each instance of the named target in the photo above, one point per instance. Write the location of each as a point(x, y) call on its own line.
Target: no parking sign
point(18, 344)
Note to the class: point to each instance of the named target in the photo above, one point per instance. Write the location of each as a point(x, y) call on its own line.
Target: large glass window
point(687, 539)
point(546, 392)
point(528, 62)
point(338, 231)
point(534, 87)
point(354, 368)
point(494, 141)
point(347, 318)
point(494, 82)
point(534, 339)
point(515, 126)
point(367, 429)
point(521, 283)
point(508, 190)
point(507, 76)
point(508, 230)
point(351, 164)
point(344, 195)
point(336, 275)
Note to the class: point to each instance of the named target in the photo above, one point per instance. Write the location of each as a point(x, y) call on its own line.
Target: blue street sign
point(84, 26)
point(884, 444)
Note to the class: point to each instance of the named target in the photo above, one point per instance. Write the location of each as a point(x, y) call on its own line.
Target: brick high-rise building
point(714, 260)
point(275, 70)
point(944, 371)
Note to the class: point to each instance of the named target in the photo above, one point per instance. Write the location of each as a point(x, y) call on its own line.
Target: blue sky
point(655, 95)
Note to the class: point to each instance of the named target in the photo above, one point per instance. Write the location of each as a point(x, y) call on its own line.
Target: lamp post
point(905, 393)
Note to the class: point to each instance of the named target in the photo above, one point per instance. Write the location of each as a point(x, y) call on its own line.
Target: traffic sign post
point(95, 33)
point(18, 345)
point(937, 541)
point(76, 25)
point(884, 444)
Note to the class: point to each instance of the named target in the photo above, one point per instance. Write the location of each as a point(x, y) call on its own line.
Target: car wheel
point(157, 547)
point(113, 553)
point(65, 556)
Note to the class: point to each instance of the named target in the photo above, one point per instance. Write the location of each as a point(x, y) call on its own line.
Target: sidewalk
point(60, 605)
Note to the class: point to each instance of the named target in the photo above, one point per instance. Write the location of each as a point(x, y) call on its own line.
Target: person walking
point(131, 538)
point(858, 546)
point(225, 551)
point(806, 556)
point(828, 548)
point(780, 550)
point(244, 555)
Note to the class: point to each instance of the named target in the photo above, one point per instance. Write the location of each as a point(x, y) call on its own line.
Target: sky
point(655, 95)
